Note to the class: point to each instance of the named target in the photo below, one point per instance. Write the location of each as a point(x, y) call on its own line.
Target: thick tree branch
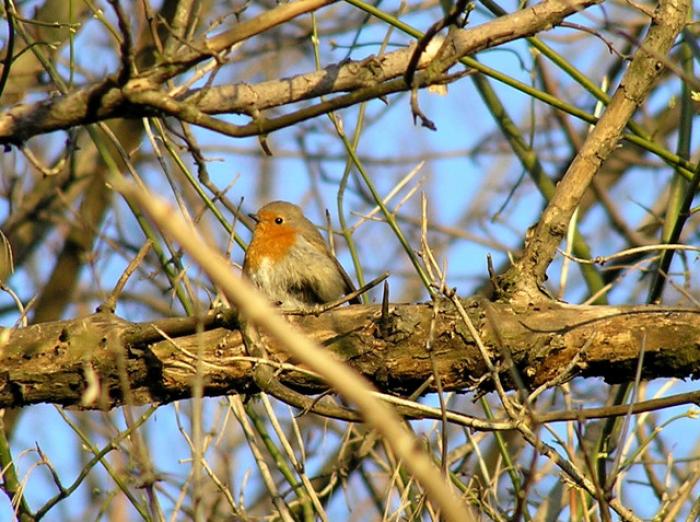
point(68, 362)
point(110, 99)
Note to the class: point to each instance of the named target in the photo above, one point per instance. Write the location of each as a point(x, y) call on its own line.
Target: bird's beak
point(254, 217)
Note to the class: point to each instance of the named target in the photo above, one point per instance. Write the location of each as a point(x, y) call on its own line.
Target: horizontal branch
point(101, 361)
point(109, 99)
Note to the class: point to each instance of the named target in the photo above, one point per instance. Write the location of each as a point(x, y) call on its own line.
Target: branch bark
point(525, 279)
point(145, 95)
point(71, 362)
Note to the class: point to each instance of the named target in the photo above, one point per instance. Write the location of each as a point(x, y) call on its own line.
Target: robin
point(290, 262)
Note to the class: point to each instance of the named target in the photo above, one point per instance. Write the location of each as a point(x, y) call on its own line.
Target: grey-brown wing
point(349, 285)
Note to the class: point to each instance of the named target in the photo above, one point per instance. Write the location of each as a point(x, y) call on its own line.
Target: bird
point(289, 261)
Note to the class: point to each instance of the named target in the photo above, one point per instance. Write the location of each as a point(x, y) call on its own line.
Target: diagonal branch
point(526, 278)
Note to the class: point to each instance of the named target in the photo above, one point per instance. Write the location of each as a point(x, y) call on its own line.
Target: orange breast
point(269, 241)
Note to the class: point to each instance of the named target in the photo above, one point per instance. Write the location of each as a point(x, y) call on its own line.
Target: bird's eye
point(279, 220)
